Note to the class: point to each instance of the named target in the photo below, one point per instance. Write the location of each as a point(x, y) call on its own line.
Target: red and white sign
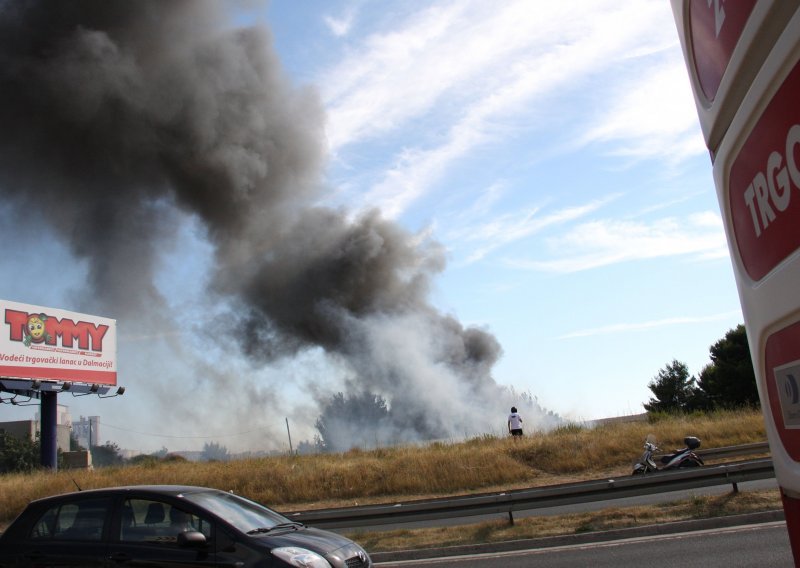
point(782, 373)
point(716, 27)
point(764, 187)
point(53, 344)
point(744, 63)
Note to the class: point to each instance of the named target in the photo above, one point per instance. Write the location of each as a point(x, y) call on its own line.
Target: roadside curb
point(582, 538)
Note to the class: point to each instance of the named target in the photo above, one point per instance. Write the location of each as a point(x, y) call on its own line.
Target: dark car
point(163, 525)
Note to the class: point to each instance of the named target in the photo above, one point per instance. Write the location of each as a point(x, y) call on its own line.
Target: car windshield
point(242, 513)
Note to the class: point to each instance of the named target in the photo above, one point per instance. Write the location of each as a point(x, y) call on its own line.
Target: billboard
point(57, 345)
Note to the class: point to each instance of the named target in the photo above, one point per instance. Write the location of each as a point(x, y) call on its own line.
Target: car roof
point(162, 490)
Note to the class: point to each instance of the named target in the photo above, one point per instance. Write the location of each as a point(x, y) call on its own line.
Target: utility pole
point(291, 451)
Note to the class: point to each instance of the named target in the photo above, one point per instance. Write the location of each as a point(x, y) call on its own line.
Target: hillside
point(566, 454)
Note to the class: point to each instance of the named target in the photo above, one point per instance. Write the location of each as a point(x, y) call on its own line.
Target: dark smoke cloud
point(120, 118)
point(112, 108)
point(326, 269)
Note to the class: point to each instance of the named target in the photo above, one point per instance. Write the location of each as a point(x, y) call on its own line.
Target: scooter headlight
point(300, 557)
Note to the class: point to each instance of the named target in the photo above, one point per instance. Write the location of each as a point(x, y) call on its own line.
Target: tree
point(105, 455)
point(74, 445)
point(212, 451)
point(144, 459)
point(304, 447)
point(19, 455)
point(348, 422)
point(729, 381)
point(162, 453)
point(673, 389)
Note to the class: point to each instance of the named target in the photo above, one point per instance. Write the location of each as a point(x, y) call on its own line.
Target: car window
point(242, 513)
point(78, 520)
point(146, 520)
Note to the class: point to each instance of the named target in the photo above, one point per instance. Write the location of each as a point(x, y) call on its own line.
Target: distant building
point(77, 460)
point(28, 429)
point(20, 429)
point(63, 416)
point(87, 431)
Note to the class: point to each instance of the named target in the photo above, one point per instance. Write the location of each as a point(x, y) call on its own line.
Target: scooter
point(685, 457)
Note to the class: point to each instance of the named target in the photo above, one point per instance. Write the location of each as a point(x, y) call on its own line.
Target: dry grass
point(287, 483)
point(571, 449)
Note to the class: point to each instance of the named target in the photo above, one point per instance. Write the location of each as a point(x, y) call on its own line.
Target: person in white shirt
point(514, 422)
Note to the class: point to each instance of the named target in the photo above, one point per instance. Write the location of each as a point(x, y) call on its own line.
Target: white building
point(87, 431)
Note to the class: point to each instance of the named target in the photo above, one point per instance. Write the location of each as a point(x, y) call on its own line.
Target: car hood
point(320, 541)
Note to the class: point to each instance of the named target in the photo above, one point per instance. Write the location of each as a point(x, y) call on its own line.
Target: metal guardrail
point(537, 498)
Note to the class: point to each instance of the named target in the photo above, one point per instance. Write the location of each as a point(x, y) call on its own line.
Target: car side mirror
point(191, 539)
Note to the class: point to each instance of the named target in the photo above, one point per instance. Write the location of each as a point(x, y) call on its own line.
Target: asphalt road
point(754, 546)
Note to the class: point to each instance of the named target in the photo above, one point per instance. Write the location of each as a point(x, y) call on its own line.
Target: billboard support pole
point(49, 413)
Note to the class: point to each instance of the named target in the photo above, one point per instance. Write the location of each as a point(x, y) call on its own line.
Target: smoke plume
point(120, 120)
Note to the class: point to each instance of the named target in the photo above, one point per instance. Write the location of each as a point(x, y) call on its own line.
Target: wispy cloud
point(604, 242)
point(653, 116)
point(668, 203)
point(648, 325)
point(483, 64)
point(485, 237)
point(340, 26)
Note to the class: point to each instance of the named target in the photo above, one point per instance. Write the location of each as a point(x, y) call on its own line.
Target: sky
point(543, 162)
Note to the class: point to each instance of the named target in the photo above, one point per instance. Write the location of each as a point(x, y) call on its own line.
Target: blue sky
point(554, 151)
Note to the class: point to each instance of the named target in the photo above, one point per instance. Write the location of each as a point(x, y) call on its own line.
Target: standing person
point(514, 422)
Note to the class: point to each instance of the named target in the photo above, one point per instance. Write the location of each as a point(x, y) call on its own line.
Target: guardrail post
point(734, 484)
point(511, 517)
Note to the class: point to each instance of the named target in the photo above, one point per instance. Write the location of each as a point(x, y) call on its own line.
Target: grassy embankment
point(570, 453)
